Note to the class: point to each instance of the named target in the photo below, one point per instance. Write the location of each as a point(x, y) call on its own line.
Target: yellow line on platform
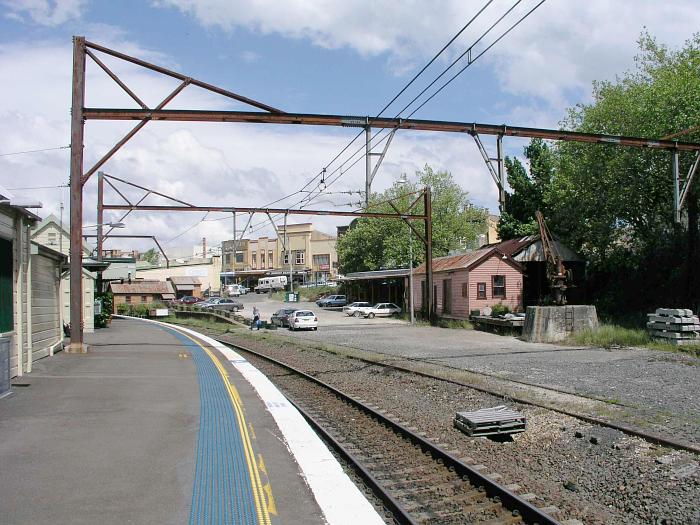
point(258, 491)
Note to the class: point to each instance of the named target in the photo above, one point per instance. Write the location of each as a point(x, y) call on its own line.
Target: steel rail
point(655, 439)
point(529, 513)
point(183, 115)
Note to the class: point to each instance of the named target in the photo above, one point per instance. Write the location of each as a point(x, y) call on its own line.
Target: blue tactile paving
point(223, 491)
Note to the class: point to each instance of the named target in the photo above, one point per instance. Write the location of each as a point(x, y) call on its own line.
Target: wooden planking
point(494, 265)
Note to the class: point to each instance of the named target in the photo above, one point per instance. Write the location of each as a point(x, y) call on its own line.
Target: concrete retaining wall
point(548, 324)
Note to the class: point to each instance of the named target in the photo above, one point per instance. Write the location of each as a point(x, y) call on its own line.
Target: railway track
point(416, 481)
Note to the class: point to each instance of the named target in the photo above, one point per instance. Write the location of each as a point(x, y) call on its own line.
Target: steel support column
point(428, 210)
point(76, 197)
point(368, 164)
point(676, 187)
point(100, 222)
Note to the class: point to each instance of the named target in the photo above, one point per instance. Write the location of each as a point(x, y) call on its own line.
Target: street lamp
point(108, 224)
point(22, 203)
point(404, 180)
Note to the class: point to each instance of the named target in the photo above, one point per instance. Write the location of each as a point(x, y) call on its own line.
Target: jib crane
point(557, 275)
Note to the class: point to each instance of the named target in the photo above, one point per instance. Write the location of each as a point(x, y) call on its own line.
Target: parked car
point(281, 317)
point(222, 303)
point(300, 319)
point(332, 300)
point(382, 310)
point(188, 300)
point(356, 309)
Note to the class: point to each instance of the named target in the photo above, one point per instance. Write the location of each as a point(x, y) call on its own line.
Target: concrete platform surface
point(117, 436)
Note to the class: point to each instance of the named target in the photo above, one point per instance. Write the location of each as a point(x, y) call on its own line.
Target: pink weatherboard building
point(471, 281)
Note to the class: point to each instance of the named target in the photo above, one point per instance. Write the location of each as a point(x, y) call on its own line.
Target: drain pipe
point(30, 324)
point(19, 334)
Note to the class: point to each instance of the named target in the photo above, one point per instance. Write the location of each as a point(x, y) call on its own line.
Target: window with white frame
point(299, 257)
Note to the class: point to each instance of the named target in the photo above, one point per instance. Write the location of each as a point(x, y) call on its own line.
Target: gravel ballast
point(591, 473)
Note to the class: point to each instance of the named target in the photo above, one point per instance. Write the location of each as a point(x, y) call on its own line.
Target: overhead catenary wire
point(405, 87)
point(33, 151)
point(308, 199)
point(472, 60)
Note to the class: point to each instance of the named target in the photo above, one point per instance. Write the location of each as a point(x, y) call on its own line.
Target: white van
point(234, 290)
point(271, 283)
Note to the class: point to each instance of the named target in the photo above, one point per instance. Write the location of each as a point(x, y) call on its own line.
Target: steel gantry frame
point(269, 115)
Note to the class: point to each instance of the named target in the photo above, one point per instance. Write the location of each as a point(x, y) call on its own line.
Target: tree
point(528, 192)
point(372, 244)
point(152, 256)
point(616, 203)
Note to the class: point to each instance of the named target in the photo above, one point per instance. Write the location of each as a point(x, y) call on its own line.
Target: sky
point(302, 56)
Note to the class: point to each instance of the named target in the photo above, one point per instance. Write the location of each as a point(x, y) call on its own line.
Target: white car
point(300, 319)
point(357, 309)
point(382, 310)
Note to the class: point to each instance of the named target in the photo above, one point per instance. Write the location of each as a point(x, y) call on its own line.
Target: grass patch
point(310, 294)
point(609, 335)
point(461, 324)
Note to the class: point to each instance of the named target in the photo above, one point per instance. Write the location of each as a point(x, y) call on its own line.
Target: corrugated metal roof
point(179, 280)
point(149, 287)
point(455, 262)
point(377, 274)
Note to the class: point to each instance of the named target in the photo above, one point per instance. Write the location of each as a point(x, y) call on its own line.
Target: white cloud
point(204, 164)
point(45, 12)
point(557, 51)
point(249, 56)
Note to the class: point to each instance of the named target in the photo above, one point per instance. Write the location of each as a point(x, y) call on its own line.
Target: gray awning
point(377, 274)
point(184, 287)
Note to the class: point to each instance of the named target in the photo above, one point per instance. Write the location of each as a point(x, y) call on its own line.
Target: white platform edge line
point(340, 500)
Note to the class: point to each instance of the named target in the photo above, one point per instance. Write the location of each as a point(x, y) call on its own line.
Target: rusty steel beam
point(116, 79)
point(180, 76)
point(281, 211)
point(133, 132)
point(126, 236)
point(391, 123)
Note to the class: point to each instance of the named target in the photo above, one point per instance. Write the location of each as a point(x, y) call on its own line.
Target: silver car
point(357, 309)
point(382, 310)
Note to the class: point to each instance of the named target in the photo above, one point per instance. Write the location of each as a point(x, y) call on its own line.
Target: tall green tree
point(528, 191)
point(151, 255)
point(616, 203)
point(372, 244)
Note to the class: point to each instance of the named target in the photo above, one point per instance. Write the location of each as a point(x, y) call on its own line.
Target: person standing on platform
point(256, 318)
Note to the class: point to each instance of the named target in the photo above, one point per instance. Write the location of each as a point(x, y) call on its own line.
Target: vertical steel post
point(235, 244)
point(76, 197)
point(501, 174)
point(428, 207)
point(676, 188)
point(289, 254)
point(410, 275)
point(368, 164)
point(100, 216)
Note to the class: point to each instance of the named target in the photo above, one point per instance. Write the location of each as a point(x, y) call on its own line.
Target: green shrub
point(124, 309)
point(140, 310)
point(499, 309)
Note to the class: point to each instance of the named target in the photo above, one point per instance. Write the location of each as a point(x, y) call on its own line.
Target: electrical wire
point(33, 151)
point(39, 187)
point(405, 87)
point(200, 221)
point(472, 60)
point(309, 198)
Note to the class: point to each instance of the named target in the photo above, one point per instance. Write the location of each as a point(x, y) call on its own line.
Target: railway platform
point(158, 424)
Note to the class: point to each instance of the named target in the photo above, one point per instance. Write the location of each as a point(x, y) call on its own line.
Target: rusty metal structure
point(266, 114)
point(557, 275)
